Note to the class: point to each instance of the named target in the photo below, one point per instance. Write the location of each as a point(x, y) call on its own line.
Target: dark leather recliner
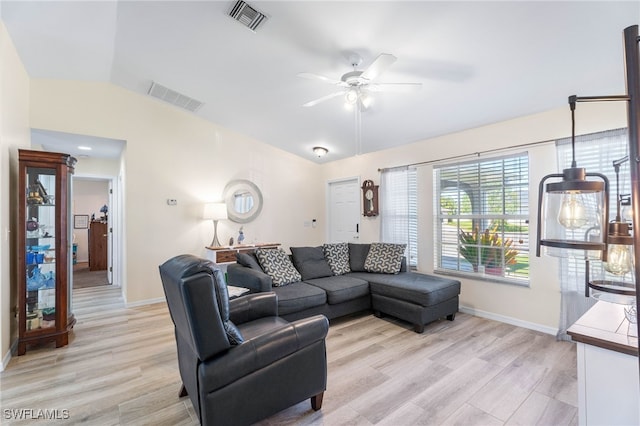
point(239, 362)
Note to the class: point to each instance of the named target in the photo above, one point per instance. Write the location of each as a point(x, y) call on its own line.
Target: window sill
point(483, 277)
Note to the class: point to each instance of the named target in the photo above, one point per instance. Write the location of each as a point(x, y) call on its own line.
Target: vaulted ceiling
point(479, 62)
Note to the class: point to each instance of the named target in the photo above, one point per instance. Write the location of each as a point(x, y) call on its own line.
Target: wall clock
point(369, 198)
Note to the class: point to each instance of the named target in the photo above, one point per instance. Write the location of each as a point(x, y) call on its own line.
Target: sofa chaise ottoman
point(323, 286)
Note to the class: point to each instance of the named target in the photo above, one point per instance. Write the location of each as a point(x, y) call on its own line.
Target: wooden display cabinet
point(44, 249)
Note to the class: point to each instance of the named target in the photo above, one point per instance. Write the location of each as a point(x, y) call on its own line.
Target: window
point(482, 218)
point(399, 210)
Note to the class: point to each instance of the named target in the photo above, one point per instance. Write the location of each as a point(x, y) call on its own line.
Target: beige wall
point(14, 134)
point(537, 306)
point(174, 154)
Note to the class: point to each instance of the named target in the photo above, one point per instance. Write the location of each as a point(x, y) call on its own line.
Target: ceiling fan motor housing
point(353, 79)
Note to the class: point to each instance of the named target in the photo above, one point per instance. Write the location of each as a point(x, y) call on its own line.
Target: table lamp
point(215, 212)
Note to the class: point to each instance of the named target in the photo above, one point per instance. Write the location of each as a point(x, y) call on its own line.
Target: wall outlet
point(172, 201)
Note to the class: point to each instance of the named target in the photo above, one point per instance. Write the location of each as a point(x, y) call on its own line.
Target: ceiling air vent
point(171, 96)
point(247, 15)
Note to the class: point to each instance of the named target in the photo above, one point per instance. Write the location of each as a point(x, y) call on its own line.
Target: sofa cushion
point(249, 260)
point(299, 296)
point(337, 255)
point(413, 287)
point(310, 262)
point(357, 255)
point(384, 258)
point(278, 266)
point(341, 288)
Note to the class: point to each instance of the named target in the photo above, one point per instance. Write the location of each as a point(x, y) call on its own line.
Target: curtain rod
point(477, 154)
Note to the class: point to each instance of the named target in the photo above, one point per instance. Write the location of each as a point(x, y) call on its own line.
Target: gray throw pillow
point(357, 255)
point(385, 258)
point(249, 260)
point(337, 255)
point(278, 266)
point(310, 262)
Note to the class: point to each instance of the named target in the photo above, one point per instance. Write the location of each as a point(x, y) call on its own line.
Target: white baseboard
point(510, 320)
point(8, 355)
point(145, 302)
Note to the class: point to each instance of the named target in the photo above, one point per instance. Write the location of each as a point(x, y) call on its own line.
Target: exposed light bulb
point(366, 99)
point(572, 214)
point(351, 97)
point(619, 259)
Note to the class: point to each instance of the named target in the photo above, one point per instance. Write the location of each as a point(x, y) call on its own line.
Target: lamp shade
point(573, 215)
point(215, 211)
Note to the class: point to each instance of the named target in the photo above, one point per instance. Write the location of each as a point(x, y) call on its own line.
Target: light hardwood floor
point(120, 368)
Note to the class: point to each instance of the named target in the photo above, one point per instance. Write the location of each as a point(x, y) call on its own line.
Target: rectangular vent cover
point(247, 15)
point(171, 96)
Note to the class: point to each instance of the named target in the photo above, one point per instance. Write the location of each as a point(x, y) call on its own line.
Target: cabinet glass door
point(41, 248)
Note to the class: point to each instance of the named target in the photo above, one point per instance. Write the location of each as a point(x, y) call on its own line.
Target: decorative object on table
point(485, 250)
point(243, 199)
point(231, 242)
point(104, 210)
point(241, 235)
point(369, 198)
point(215, 212)
point(80, 221)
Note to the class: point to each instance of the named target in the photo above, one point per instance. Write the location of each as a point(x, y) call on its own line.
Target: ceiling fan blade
point(382, 62)
point(322, 99)
point(395, 87)
point(312, 76)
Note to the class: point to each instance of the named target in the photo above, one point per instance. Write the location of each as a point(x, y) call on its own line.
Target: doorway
point(92, 236)
point(344, 210)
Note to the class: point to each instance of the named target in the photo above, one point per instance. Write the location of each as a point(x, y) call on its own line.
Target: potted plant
point(486, 248)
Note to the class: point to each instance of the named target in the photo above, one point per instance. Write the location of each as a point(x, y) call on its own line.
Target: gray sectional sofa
point(322, 287)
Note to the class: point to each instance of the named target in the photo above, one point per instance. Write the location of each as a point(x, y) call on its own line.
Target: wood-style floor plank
point(120, 368)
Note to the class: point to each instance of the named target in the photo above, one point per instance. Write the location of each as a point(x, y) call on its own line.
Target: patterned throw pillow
point(384, 258)
point(278, 266)
point(337, 255)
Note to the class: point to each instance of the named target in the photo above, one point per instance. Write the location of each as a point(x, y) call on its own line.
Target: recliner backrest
point(189, 286)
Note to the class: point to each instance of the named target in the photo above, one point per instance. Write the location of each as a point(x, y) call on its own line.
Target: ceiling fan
point(357, 86)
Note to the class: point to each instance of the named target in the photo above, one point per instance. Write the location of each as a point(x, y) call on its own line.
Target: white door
point(344, 211)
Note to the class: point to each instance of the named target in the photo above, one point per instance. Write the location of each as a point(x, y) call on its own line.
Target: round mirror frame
point(245, 186)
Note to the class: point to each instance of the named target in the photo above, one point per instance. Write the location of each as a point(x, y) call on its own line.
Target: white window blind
point(399, 210)
point(481, 213)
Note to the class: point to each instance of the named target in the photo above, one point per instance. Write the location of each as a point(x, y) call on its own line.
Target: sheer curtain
point(594, 152)
point(398, 209)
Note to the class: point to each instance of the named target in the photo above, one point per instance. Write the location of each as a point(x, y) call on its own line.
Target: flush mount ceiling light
point(320, 151)
point(84, 148)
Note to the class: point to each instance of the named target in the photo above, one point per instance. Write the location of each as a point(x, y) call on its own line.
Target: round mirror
point(243, 199)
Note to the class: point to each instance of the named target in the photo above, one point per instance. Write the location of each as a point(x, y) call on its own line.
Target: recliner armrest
point(253, 306)
point(241, 276)
point(261, 351)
